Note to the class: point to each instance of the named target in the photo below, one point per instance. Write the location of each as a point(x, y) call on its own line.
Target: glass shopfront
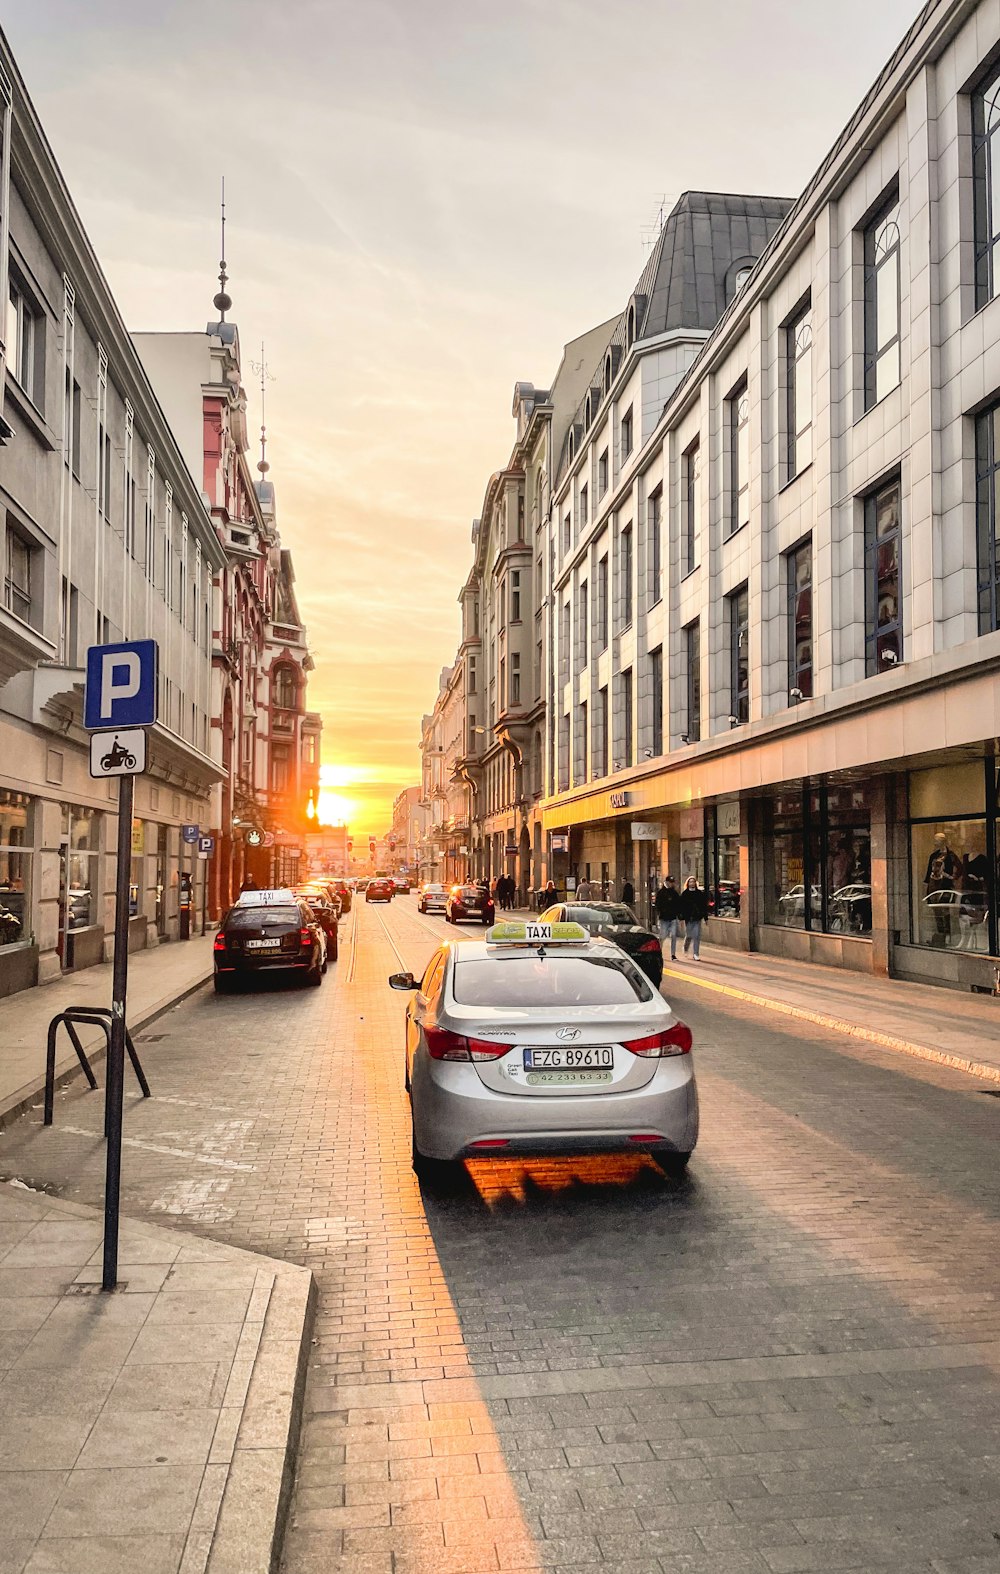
point(817, 858)
point(78, 898)
point(15, 867)
point(953, 857)
point(722, 846)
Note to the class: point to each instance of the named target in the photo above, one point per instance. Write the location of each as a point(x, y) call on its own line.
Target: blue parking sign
point(121, 685)
point(190, 833)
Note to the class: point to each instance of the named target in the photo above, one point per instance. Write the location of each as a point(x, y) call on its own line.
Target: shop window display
point(952, 854)
point(817, 847)
point(80, 880)
point(15, 867)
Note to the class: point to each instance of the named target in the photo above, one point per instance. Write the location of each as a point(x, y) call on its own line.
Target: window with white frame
point(18, 575)
point(515, 595)
point(625, 571)
point(627, 434)
point(881, 240)
point(515, 677)
point(798, 391)
point(24, 340)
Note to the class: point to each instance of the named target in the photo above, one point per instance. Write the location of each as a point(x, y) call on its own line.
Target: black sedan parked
point(268, 937)
point(325, 911)
point(470, 904)
point(615, 922)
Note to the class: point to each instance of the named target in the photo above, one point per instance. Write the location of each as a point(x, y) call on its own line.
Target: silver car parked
point(559, 1045)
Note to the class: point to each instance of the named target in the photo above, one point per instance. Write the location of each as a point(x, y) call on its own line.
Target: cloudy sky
point(426, 199)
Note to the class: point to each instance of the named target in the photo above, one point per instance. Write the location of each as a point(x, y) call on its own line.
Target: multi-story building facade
point(505, 636)
point(408, 822)
point(105, 537)
point(266, 741)
point(444, 850)
point(802, 564)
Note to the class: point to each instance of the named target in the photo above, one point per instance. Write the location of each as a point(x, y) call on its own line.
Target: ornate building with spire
point(263, 738)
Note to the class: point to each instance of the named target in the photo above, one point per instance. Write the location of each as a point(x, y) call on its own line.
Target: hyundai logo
point(568, 1034)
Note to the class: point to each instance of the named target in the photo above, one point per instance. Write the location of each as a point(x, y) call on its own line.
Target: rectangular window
point(515, 678)
point(987, 550)
point(952, 854)
point(881, 255)
point(625, 573)
point(738, 411)
point(17, 576)
point(515, 595)
point(986, 187)
point(77, 413)
point(602, 603)
point(566, 636)
point(582, 629)
point(628, 741)
point(602, 474)
point(584, 507)
point(472, 677)
point(503, 683)
point(563, 752)
point(23, 340)
point(798, 568)
point(692, 470)
point(603, 735)
point(471, 743)
point(817, 858)
point(798, 374)
point(739, 656)
point(627, 436)
point(655, 547)
point(692, 673)
point(16, 857)
point(279, 766)
point(656, 698)
point(581, 742)
point(883, 609)
point(567, 533)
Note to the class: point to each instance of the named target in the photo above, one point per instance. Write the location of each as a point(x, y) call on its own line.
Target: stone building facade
point(105, 537)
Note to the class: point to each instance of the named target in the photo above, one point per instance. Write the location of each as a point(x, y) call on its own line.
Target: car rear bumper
point(245, 968)
point(452, 1110)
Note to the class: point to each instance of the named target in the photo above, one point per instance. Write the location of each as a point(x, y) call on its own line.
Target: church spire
point(263, 466)
point(222, 301)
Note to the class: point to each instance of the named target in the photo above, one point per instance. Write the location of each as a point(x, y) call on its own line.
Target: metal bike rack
point(99, 1016)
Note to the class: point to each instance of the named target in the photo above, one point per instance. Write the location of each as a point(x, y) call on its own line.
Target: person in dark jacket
point(628, 893)
point(694, 911)
point(667, 905)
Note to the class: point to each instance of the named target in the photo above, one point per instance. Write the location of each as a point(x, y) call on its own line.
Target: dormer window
point(608, 374)
point(572, 444)
point(739, 273)
point(630, 326)
point(587, 413)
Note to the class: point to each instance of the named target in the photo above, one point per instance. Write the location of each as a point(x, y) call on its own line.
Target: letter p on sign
point(121, 685)
point(121, 677)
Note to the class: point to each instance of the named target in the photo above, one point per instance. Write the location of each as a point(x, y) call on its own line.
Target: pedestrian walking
point(694, 911)
point(667, 905)
point(585, 890)
point(548, 895)
point(628, 893)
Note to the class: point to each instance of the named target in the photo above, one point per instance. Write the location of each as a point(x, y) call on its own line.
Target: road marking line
point(174, 1153)
point(940, 1057)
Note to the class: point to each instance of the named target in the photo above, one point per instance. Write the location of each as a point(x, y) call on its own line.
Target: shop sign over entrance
point(645, 831)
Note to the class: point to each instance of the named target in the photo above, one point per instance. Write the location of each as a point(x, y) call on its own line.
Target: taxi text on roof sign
point(524, 932)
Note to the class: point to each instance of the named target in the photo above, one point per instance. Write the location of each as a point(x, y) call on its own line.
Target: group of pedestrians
point(674, 908)
point(504, 892)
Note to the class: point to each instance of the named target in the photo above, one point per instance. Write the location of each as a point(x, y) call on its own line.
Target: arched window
point(285, 687)
point(630, 326)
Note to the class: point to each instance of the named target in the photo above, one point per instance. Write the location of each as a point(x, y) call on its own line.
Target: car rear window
point(253, 917)
point(551, 982)
point(598, 917)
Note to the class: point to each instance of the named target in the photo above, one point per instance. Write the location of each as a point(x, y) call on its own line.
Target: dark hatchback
point(268, 938)
point(470, 904)
point(326, 913)
point(615, 922)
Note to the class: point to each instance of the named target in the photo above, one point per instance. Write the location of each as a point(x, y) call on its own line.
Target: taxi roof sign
point(278, 896)
point(526, 932)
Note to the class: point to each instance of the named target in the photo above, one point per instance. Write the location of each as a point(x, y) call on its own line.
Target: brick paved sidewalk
point(157, 979)
point(151, 1429)
point(943, 1025)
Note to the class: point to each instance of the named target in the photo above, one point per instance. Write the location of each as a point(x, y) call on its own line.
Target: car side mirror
point(402, 981)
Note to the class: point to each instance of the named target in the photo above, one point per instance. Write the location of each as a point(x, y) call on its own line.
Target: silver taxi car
point(541, 1039)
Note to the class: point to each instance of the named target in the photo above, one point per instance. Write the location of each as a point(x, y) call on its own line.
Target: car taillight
point(220, 942)
point(305, 936)
point(650, 945)
point(443, 1045)
point(674, 1040)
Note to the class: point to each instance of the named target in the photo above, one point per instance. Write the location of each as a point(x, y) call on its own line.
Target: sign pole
point(116, 1047)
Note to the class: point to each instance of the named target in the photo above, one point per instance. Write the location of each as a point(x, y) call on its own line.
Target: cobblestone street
point(787, 1361)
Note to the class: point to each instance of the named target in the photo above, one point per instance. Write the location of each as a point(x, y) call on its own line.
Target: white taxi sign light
point(524, 932)
point(279, 897)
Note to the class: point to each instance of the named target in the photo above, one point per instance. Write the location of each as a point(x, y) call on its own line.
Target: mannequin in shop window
point(943, 870)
